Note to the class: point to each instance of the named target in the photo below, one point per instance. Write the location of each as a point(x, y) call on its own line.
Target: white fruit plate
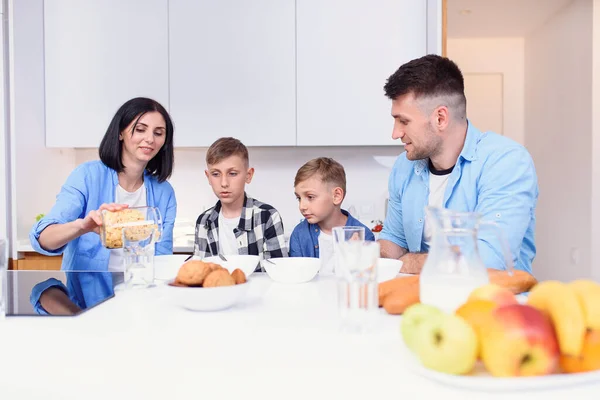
point(481, 380)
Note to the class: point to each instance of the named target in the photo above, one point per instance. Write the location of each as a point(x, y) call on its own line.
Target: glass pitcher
point(453, 268)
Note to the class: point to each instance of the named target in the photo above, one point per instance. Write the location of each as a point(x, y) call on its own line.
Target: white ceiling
point(499, 18)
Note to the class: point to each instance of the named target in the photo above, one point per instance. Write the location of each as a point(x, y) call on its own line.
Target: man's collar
point(468, 153)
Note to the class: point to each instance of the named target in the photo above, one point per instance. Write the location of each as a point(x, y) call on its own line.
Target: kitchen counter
point(282, 343)
point(183, 245)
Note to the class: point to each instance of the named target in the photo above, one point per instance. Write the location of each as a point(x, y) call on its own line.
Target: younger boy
point(320, 188)
point(237, 224)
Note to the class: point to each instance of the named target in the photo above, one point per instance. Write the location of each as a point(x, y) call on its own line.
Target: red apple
point(519, 341)
point(497, 294)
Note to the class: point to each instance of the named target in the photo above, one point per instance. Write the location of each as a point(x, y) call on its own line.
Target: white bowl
point(206, 299)
point(167, 266)
point(292, 269)
point(234, 261)
point(388, 268)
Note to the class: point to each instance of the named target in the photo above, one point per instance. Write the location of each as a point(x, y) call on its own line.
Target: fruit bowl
point(292, 269)
point(481, 380)
point(493, 342)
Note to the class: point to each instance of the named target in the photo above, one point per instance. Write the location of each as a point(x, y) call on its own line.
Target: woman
point(136, 159)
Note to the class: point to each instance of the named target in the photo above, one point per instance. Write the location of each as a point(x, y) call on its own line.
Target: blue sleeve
point(393, 228)
point(295, 247)
point(36, 293)
point(70, 205)
point(507, 195)
point(165, 245)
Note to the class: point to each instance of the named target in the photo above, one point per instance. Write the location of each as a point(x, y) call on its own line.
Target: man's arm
point(412, 263)
point(392, 240)
point(390, 249)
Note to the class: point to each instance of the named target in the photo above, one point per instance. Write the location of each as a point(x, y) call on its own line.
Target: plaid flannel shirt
point(259, 233)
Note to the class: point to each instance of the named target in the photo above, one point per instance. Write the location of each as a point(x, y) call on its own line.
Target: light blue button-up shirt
point(89, 186)
point(493, 176)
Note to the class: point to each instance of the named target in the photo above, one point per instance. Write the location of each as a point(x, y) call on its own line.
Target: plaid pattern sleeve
point(264, 229)
point(206, 242)
point(274, 244)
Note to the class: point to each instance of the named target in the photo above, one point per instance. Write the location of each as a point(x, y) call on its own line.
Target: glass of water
point(3, 277)
point(357, 284)
point(342, 234)
point(138, 255)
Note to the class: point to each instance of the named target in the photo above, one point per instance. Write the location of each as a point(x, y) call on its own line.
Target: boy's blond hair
point(226, 147)
point(327, 169)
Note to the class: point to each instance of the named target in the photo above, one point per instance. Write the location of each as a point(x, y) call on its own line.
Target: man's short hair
point(428, 77)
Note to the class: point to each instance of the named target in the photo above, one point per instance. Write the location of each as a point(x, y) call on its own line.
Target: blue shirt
point(89, 186)
point(493, 176)
point(304, 241)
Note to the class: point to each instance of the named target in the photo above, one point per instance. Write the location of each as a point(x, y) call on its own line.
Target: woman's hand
point(93, 221)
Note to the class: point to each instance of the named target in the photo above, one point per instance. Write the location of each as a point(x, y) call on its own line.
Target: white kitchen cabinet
point(232, 71)
point(99, 54)
point(346, 50)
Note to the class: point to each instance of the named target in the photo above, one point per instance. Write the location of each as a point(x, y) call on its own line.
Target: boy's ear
point(206, 173)
point(249, 175)
point(338, 196)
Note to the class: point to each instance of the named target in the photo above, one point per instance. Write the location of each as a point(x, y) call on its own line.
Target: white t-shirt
point(326, 254)
point(437, 188)
point(132, 199)
point(227, 240)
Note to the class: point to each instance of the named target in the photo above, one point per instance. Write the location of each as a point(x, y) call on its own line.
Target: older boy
point(237, 224)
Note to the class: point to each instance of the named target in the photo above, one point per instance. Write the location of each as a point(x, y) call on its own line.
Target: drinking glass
point(138, 255)
point(343, 234)
point(356, 263)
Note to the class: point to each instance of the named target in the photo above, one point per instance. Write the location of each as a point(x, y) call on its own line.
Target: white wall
point(273, 181)
point(595, 148)
point(504, 56)
point(39, 172)
point(558, 126)
point(4, 142)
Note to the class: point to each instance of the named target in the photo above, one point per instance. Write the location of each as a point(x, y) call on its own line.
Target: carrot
point(397, 294)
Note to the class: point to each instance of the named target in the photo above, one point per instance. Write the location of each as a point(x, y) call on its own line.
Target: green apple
point(412, 318)
point(447, 344)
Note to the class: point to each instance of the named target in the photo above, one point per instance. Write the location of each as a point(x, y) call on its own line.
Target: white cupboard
point(98, 55)
point(346, 51)
point(232, 71)
point(269, 72)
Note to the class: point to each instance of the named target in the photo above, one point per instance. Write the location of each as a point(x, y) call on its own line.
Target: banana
point(559, 301)
point(588, 294)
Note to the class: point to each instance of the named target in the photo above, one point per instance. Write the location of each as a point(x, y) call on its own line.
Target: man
point(449, 163)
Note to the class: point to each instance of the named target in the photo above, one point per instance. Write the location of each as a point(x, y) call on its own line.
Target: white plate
point(292, 269)
point(481, 380)
point(387, 269)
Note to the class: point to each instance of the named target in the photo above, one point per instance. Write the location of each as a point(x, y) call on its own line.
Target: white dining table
point(282, 342)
